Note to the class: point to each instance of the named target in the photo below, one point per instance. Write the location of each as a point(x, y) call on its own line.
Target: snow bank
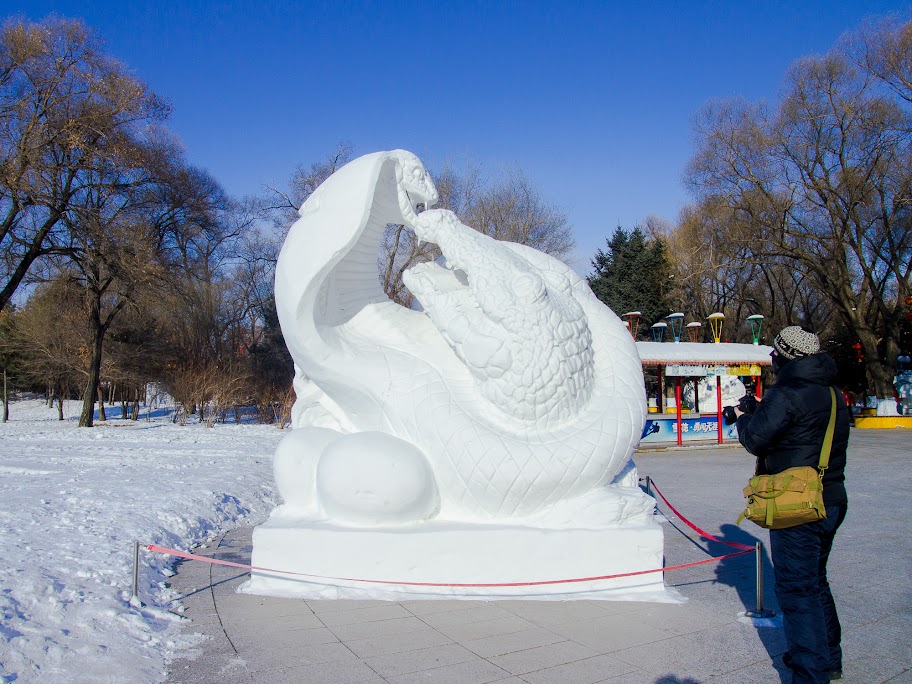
point(74, 500)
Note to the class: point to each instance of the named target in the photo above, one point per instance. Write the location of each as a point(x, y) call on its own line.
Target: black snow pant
point(812, 627)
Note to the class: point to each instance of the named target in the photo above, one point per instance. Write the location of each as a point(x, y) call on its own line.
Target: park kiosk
point(670, 366)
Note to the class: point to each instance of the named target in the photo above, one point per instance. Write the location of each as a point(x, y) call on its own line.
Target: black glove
point(728, 415)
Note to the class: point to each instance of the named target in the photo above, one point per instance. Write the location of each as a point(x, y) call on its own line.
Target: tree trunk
point(880, 371)
point(102, 416)
point(5, 398)
point(33, 253)
point(59, 407)
point(882, 380)
point(87, 419)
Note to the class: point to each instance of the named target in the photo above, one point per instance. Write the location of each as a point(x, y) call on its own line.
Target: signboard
point(744, 370)
point(690, 370)
point(699, 429)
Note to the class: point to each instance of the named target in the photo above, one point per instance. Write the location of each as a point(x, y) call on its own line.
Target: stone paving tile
point(711, 652)
point(542, 657)
point(368, 630)
point(640, 677)
point(232, 577)
point(336, 672)
point(252, 639)
point(469, 672)
point(466, 616)
point(545, 613)
point(586, 671)
point(861, 607)
point(685, 618)
point(486, 628)
point(383, 611)
point(258, 659)
point(423, 659)
point(320, 607)
point(879, 650)
point(514, 641)
point(397, 643)
point(428, 607)
point(902, 678)
point(284, 620)
point(248, 607)
point(613, 632)
point(765, 671)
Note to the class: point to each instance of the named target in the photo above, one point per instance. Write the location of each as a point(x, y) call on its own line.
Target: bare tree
point(51, 338)
point(64, 105)
point(204, 301)
point(716, 270)
point(883, 48)
point(511, 208)
point(284, 204)
point(112, 245)
point(824, 182)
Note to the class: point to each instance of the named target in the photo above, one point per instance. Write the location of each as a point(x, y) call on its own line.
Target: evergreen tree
point(632, 274)
point(272, 363)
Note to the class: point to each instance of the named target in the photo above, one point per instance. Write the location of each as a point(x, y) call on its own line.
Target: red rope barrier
point(214, 561)
point(702, 533)
point(743, 549)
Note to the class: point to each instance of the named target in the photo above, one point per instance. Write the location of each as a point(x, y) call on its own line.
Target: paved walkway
point(270, 641)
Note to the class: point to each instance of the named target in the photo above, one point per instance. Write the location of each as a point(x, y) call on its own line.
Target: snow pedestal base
point(457, 553)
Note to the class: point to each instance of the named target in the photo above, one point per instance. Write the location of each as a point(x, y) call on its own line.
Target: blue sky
point(594, 101)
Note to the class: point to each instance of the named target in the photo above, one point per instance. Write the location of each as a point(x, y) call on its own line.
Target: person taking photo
point(787, 429)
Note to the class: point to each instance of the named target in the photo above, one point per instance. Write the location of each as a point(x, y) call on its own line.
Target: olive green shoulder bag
point(794, 496)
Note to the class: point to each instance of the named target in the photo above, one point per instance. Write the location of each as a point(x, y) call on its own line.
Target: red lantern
point(909, 300)
point(909, 316)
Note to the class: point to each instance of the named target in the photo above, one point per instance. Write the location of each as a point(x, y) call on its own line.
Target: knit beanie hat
point(795, 341)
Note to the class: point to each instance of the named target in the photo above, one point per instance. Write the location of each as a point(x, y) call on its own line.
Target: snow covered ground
point(72, 501)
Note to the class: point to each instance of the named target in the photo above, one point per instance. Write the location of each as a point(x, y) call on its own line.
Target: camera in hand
point(748, 405)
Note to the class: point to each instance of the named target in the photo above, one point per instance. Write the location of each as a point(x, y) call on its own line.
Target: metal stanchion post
point(759, 611)
point(655, 505)
point(135, 598)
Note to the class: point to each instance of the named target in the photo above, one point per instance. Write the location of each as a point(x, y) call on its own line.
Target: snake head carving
point(414, 186)
point(518, 329)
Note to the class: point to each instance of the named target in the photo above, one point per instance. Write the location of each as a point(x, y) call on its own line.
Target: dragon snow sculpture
point(514, 389)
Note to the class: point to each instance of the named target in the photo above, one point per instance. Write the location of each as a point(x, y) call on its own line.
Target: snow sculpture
point(732, 390)
point(486, 439)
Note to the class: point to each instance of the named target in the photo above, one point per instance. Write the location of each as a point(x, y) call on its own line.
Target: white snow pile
point(72, 502)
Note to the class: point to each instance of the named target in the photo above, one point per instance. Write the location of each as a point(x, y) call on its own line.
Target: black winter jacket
point(789, 425)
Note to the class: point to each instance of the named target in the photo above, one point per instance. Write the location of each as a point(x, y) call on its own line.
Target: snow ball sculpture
point(511, 403)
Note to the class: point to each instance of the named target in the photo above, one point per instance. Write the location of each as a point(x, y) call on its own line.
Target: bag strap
point(828, 438)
